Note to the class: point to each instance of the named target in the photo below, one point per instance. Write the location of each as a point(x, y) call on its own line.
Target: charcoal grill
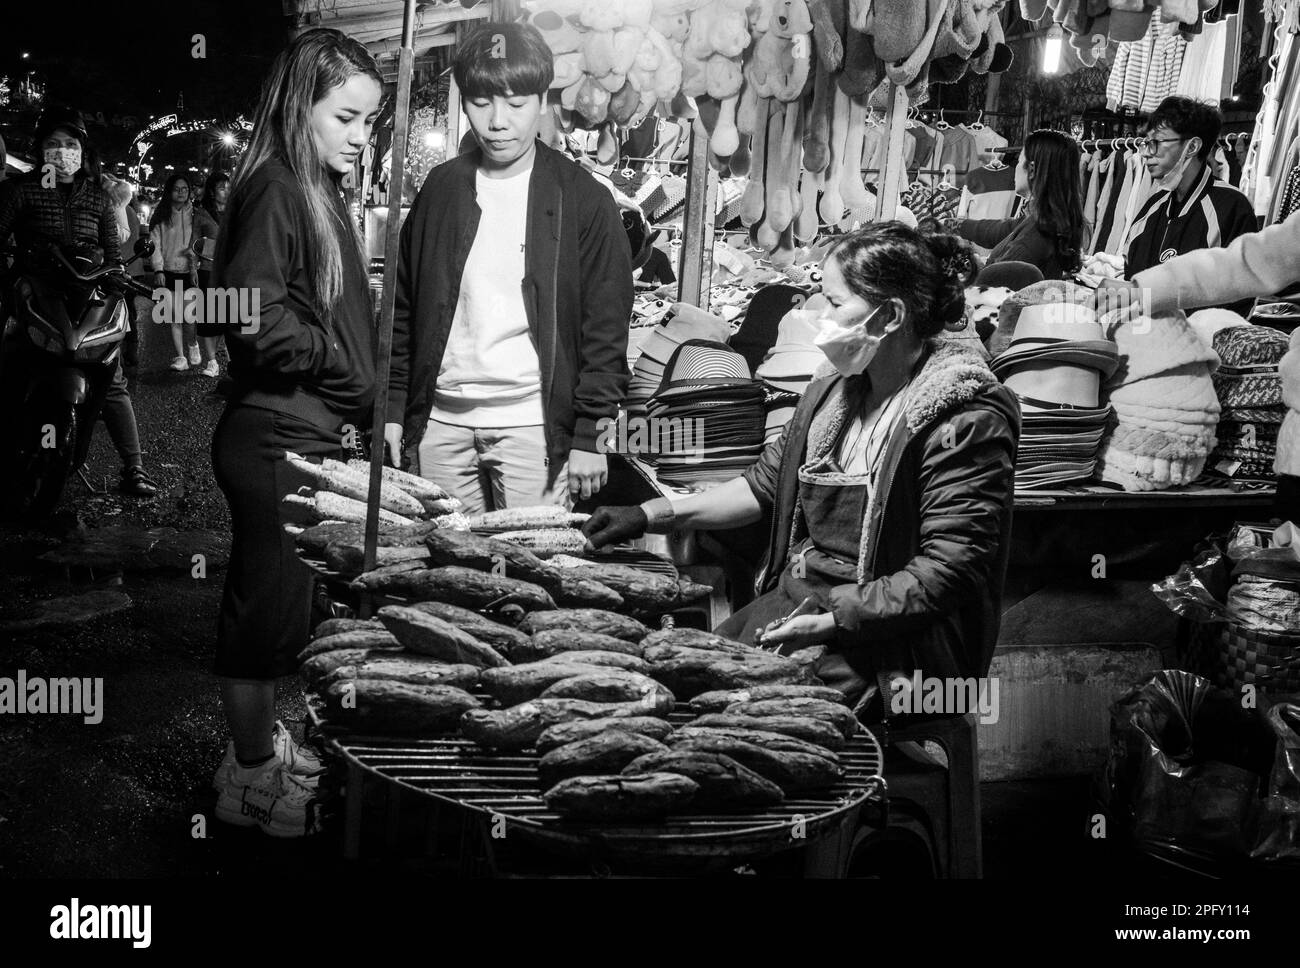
point(503, 788)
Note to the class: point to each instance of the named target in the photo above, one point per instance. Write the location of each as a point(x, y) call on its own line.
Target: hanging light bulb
point(1052, 49)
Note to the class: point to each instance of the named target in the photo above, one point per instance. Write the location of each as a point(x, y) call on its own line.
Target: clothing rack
point(659, 161)
point(1223, 141)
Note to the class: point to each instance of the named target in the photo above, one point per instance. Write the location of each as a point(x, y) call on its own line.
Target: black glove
point(609, 525)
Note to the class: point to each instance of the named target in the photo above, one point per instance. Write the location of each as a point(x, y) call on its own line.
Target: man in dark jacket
point(74, 212)
point(514, 292)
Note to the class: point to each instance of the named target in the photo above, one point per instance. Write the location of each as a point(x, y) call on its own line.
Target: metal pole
point(396, 180)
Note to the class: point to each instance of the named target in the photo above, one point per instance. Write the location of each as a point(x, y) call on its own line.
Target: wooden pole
point(383, 356)
point(892, 178)
point(697, 221)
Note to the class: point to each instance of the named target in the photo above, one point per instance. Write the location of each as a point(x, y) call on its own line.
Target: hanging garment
point(988, 193)
point(1166, 63)
point(986, 140)
point(1115, 240)
point(1291, 194)
point(960, 153)
point(1090, 197)
point(1112, 171)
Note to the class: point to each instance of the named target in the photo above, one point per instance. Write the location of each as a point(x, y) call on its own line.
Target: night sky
point(135, 58)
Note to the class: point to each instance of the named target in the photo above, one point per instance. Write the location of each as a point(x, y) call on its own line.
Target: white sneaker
point(212, 368)
point(195, 356)
point(179, 364)
point(270, 797)
point(302, 762)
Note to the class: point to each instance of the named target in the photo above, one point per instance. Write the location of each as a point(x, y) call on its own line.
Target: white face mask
point(1170, 181)
point(849, 348)
point(66, 161)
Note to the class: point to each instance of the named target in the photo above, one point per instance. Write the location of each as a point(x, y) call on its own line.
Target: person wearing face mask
point(1189, 209)
point(514, 290)
point(302, 371)
point(76, 213)
point(1050, 233)
point(890, 490)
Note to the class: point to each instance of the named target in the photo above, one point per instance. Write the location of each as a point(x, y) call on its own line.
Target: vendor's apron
point(834, 507)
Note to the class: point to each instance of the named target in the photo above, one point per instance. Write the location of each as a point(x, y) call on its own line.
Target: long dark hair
point(210, 186)
point(927, 270)
point(162, 213)
point(1055, 193)
point(304, 73)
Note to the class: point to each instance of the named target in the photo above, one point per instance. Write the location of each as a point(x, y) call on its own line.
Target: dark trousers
point(266, 606)
point(119, 418)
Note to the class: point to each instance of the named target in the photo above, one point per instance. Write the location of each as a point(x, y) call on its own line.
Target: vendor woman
point(891, 487)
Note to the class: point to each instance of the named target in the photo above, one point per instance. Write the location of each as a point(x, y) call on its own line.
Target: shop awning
point(378, 23)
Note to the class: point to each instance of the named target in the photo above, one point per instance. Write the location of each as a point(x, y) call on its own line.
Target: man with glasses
point(1190, 208)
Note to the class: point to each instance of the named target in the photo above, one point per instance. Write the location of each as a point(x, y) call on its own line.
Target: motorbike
point(56, 364)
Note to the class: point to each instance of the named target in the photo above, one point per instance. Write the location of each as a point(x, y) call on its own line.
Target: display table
point(1095, 497)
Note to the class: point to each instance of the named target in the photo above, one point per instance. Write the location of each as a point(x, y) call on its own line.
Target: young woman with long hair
point(216, 193)
point(302, 373)
point(1050, 232)
point(174, 225)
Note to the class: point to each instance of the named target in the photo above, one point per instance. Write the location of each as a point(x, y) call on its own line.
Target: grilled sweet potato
point(607, 752)
point(559, 641)
point(396, 707)
point(614, 799)
point(460, 586)
point(689, 672)
point(429, 635)
point(793, 771)
point(469, 550)
point(585, 620)
point(519, 683)
point(501, 637)
point(318, 667)
point(367, 639)
point(565, 733)
point(719, 700)
point(642, 591)
point(348, 557)
point(724, 783)
point(695, 639)
point(519, 726)
point(609, 685)
point(615, 660)
point(313, 540)
point(574, 591)
point(405, 667)
point(759, 737)
point(816, 731)
point(841, 717)
point(333, 626)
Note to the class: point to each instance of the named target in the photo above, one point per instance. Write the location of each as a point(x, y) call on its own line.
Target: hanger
point(941, 124)
point(979, 123)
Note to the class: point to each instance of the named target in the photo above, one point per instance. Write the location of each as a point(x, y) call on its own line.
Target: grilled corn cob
point(335, 476)
point(451, 522)
point(525, 519)
point(417, 487)
point(441, 505)
point(328, 506)
point(544, 542)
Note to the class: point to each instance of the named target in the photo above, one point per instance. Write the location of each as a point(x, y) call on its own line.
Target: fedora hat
point(1076, 386)
point(1060, 333)
point(1048, 291)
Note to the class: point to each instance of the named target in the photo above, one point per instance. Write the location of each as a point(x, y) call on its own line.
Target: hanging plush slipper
point(817, 124)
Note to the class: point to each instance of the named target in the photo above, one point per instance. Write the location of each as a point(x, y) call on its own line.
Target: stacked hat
point(794, 358)
point(712, 413)
point(1055, 361)
point(1166, 410)
point(655, 348)
point(1249, 387)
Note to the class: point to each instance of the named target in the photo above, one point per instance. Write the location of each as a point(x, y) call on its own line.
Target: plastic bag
point(1199, 589)
point(1279, 825)
point(1186, 767)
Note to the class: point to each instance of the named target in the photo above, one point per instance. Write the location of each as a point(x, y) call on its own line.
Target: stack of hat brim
point(657, 347)
point(1058, 445)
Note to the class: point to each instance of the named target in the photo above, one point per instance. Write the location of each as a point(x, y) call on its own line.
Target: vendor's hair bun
point(956, 272)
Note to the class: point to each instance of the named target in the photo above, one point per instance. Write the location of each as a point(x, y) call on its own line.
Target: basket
point(1269, 660)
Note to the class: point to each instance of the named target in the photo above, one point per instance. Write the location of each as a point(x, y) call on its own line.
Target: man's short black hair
point(1188, 119)
point(501, 59)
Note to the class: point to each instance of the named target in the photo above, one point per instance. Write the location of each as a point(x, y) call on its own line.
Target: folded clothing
point(1265, 604)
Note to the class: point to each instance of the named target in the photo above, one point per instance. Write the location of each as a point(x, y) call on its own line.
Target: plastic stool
point(944, 803)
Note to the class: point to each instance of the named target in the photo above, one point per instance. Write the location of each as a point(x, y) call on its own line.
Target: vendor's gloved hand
point(608, 525)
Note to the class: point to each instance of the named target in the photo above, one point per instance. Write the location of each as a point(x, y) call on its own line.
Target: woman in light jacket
point(174, 226)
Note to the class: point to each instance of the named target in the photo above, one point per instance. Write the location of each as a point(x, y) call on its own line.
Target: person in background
point(514, 290)
point(122, 192)
point(4, 156)
point(890, 489)
point(174, 225)
point(1190, 209)
point(77, 212)
point(650, 267)
point(1050, 233)
point(216, 192)
point(300, 376)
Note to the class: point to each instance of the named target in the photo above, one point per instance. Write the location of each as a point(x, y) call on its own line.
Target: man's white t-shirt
point(490, 376)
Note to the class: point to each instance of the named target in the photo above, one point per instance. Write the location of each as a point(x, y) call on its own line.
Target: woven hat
point(1243, 346)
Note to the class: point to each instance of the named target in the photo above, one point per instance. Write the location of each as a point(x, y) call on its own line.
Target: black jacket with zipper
point(294, 359)
point(938, 531)
point(577, 291)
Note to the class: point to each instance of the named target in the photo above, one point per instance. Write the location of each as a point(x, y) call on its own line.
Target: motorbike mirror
point(144, 247)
